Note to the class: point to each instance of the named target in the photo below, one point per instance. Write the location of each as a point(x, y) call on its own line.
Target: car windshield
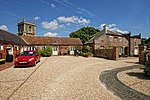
point(27, 53)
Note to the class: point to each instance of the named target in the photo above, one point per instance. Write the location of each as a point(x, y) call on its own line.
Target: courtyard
point(62, 78)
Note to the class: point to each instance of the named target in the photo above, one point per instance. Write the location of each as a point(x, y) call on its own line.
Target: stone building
point(26, 28)
point(127, 45)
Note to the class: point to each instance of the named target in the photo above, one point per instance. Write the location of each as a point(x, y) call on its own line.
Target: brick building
point(10, 44)
point(59, 45)
point(127, 45)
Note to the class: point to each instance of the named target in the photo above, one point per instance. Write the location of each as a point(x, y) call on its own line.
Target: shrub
point(147, 69)
point(37, 50)
point(47, 52)
point(86, 49)
point(79, 48)
point(87, 54)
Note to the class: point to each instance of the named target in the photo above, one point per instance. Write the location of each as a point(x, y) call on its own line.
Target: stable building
point(59, 45)
point(10, 44)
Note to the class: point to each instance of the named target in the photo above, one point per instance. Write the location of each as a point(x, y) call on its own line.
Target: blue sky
point(61, 17)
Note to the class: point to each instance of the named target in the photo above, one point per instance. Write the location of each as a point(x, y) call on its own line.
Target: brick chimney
point(105, 28)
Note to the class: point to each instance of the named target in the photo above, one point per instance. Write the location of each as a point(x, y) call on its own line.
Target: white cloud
point(4, 27)
point(113, 27)
point(36, 18)
point(50, 34)
point(53, 25)
point(53, 6)
point(73, 19)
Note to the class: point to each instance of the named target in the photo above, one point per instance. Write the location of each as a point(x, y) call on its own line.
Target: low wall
point(108, 53)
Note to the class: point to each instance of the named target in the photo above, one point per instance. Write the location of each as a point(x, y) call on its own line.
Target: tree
point(145, 41)
point(84, 33)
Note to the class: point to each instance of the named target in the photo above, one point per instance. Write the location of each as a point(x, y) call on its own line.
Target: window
point(30, 28)
point(115, 39)
point(1, 47)
point(17, 48)
point(72, 48)
point(135, 44)
point(43, 48)
point(110, 38)
point(120, 39)
point(55, 48)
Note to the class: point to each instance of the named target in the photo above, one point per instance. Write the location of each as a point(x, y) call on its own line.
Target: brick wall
point(132, 45)
point(63, 50)
point(142, 57)
point(108, 53)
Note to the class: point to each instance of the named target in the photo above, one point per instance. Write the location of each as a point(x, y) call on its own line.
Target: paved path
point(6, 65)
point(110, 79)
point(59, 78)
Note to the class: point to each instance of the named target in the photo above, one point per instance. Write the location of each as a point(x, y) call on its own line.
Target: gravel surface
point(136, 80)
point(60, 78)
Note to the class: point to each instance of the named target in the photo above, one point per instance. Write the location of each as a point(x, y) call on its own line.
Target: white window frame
point(120, 39)
point(110, 38)
point(1, 47)
point(55, 48)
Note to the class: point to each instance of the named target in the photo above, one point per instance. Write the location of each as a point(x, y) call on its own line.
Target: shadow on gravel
point(132, 62)
point(138, 75)
point(23, 66)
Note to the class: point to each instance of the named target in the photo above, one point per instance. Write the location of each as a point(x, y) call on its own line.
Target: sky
point(61, 17)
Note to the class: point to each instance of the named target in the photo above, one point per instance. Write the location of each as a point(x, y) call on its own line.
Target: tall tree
point(84, 33)
point(145, 41)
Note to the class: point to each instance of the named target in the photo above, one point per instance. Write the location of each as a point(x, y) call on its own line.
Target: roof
point(37, 40)
point(136, 36)
point(97, 35)
point(114, 33)
point(11, 38)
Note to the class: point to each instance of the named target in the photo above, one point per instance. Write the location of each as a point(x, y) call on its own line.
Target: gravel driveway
point(60, 77)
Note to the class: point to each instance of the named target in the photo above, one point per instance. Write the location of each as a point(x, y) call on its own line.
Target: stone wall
point(108, 53)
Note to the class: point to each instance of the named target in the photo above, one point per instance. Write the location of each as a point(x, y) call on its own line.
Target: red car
point(27, 58)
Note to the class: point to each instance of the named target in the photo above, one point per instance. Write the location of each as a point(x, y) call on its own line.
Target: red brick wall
point(108, 53)
point(15, 51)
point(3, 52)
point(63, 50)
point(132, 46)
point(142, 57)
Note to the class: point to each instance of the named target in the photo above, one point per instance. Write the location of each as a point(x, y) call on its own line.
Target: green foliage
point(47, 52)
point(147, 69)
point(79, 48)
point(86, 49)
point(84, 33)
point(87, 54)
point(145, 41)
point(146, 51)
point(37, 50)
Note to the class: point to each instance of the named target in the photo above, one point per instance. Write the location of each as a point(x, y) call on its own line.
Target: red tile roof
point(36, 40)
